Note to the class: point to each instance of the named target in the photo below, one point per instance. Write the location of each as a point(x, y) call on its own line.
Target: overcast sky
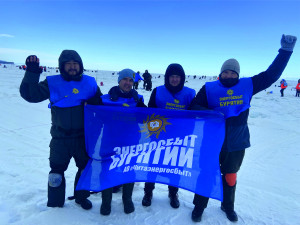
point(112, 35)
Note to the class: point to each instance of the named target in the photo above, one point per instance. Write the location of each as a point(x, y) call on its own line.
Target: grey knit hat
point(231, 64)
point(126, 73)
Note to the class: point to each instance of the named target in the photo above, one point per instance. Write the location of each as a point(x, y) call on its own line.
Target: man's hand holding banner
point(176, 147)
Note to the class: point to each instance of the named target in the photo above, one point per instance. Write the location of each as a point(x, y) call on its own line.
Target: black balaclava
point(233, 65)
point(66, 56)
point(174, 69)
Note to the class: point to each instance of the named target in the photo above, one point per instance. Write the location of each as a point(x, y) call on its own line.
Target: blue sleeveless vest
point(127, 102)
point(70, 93)
point(229, 101)
point(178, 101)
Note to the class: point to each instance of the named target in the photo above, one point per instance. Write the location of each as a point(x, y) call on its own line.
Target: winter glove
point(140, 103)
point(288, 42)
point(33, 64)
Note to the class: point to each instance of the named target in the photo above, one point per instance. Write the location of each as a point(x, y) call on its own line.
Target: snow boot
point(147, 199)
point(84, 203)
point(56, 195)
point(128, 206)
point(105, 208)
point(197, 214)
point(174, 202)
point(127, 198)
point(230, 213)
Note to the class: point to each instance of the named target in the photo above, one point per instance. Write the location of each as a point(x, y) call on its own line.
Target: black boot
point(56, 195)
point(174, 202)
point(147, 199)
point(127, 198)
point(128, 206)
point(84, 203)
point(231, 214)
point(105, 208)
point(228, 200)
point(82, 195)
point(197, 214)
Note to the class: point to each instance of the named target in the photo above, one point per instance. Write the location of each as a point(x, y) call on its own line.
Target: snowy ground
point(268, 190)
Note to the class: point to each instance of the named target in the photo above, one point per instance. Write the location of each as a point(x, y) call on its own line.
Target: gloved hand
point(288, 42)
point(33, 64)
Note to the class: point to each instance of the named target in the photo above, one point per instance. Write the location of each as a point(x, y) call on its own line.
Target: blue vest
point(178, 101)
point(127, 102)
point(70, 93)
point(229, 101)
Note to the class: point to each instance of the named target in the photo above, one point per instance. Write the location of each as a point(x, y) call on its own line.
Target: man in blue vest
point(122, 95)
point(231, 96)
point(172, 95)
point(67, 93)
point(137, 79)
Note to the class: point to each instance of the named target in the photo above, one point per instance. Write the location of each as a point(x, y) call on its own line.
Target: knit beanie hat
point(126, 73)
point(231, 64)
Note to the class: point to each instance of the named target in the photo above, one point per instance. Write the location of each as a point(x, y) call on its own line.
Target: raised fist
point(288, 42)
point(33, 64)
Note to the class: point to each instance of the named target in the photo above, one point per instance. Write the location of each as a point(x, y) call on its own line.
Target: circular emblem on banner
point(154, 125)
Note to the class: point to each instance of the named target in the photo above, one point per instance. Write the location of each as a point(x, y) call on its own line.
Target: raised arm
point(272, 74)
point(31, 89)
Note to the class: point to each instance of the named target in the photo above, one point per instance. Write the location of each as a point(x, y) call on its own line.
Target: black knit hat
point(174, 69)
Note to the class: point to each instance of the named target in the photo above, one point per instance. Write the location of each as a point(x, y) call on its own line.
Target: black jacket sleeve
point(200, 101)
point(32, 90)
point(152, 100)
point(96, 99)
point(272, 74)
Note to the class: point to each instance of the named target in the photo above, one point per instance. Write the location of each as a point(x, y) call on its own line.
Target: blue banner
point(175, 147)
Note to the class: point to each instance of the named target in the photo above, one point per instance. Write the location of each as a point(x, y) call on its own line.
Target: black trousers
point(230, 162)
point(61, 152)
point(126, 195)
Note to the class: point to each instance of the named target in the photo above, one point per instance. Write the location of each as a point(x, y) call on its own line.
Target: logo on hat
point(176, 101)
point(154, 125)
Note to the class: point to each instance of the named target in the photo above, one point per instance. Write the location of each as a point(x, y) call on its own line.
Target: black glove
point(140, 103)
point(33, 64)
point(288, 42)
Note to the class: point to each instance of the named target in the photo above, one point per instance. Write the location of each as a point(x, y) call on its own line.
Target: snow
point(268, 190)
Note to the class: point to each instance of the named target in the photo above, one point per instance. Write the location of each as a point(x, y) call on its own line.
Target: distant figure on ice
point(66, 93)
point(173, 91)
point(137, 79)
point(231, 96)
point(123, 96)
point(147, 81)
point(283, 86)
point(298, 89)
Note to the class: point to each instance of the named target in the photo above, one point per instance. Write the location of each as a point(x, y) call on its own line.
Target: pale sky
point(113, 35)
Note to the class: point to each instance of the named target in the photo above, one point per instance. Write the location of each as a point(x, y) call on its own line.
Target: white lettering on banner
point(178, 152)
point(158, 170)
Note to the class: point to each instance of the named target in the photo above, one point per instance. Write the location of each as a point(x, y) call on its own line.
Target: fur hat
point(231, 64)
point(126, 73)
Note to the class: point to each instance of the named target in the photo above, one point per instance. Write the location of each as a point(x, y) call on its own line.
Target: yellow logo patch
point(230, 92)
point(75, 91)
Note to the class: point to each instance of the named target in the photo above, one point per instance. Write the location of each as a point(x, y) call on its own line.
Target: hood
point(66, 56)
point(174, 69)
